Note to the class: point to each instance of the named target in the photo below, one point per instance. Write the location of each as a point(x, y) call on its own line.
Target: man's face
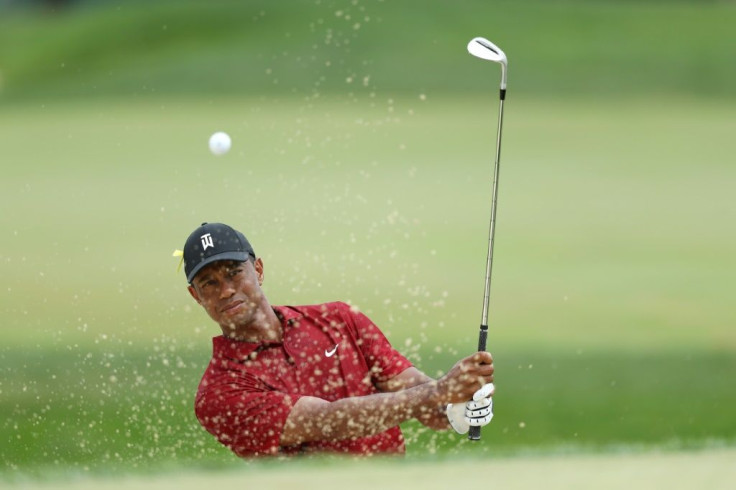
point(229, 291)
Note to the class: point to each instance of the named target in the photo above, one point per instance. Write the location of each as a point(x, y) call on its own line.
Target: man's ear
point(258, 265)
point(194, 294)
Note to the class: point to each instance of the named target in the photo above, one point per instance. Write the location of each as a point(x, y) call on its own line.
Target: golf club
point(484, 49)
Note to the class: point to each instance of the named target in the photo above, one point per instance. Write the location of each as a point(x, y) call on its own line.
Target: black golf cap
point(212, 242)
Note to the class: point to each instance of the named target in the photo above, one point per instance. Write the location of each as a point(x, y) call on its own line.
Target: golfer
point(322, 378)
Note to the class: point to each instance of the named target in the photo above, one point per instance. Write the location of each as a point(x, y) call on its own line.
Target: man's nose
point(227, 289)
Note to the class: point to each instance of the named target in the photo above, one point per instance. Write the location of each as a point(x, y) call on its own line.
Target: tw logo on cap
point(207, 241)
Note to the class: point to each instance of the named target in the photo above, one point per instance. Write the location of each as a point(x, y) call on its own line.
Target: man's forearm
point(314, 419)
point(435, 419)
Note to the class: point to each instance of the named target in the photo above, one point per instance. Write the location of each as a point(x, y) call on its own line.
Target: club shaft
point(492, 227)
point(474, 434)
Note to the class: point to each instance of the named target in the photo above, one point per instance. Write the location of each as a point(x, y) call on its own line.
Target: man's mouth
point(231, 307)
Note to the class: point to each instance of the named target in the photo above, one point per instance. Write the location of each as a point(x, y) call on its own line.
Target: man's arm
point(314, 419)
point(408, 378)
point(434, 419)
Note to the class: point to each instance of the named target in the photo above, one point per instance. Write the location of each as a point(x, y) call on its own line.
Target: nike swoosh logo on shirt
point(330, 353)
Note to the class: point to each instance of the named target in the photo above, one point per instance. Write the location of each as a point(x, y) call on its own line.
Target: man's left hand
point(477, 412)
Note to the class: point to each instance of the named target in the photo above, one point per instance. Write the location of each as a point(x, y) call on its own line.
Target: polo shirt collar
point(224, 347)
point(287, 315)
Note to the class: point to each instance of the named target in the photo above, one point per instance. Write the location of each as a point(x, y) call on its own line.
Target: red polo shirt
point(330, 351)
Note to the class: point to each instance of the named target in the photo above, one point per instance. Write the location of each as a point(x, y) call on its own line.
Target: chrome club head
point(484, 49)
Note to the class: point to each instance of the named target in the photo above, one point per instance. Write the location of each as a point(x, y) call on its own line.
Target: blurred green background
point(363, 139)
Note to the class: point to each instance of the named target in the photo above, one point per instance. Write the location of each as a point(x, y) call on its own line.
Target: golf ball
point(220, 143)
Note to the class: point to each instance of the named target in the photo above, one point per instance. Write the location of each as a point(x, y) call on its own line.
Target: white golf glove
point(477, 412)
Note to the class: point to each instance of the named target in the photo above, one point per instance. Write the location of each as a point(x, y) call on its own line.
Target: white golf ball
point(220, 143)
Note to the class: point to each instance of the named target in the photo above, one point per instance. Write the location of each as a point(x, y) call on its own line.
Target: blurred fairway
point(611, 315)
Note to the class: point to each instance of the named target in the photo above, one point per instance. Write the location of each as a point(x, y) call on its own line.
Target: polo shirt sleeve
point(383, 360)
point(241, 414)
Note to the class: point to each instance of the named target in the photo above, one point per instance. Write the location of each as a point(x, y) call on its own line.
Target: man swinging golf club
point(318, 378)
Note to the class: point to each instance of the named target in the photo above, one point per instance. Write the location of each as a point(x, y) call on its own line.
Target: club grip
point(482, 337)
point(474, 433)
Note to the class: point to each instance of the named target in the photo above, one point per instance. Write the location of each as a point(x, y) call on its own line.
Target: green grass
point(320, 47)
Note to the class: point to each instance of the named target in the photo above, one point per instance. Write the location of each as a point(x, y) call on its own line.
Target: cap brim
point(239, 256)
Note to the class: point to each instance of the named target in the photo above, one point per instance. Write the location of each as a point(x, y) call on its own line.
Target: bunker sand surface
point(711, 469)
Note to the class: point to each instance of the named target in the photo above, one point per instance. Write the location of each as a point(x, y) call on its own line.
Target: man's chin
point(230, 326)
